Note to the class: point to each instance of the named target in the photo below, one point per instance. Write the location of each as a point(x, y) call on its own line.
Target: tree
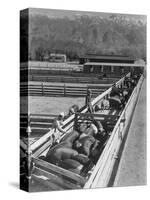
point(39, 54)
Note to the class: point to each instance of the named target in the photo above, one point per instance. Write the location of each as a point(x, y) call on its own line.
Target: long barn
point(110, 64)
point(106, 58)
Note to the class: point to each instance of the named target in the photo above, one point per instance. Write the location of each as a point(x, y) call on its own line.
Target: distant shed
point(55, 57)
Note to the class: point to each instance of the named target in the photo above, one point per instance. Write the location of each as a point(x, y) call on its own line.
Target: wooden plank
point(36, 128)
point(59, 181)
point(23, 145)
point(60, 171)
point(43, 148)
point(43, 115)
point(96, 116)
point(47, 124)
point(49, 185)
point(75, 87)
point(103, 172)
point(42, 119)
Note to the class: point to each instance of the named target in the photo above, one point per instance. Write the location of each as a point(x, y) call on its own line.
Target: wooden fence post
point(28, 130)
point(64, 89)
point(87, 87)
point(42, 89)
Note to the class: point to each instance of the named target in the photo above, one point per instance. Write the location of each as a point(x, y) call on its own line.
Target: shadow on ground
point(14, 184)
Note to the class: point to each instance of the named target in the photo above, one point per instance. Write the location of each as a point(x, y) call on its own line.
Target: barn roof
point(108, 57)
point(113, 64)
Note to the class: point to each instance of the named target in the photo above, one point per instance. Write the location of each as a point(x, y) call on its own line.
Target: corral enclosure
point(103, 180)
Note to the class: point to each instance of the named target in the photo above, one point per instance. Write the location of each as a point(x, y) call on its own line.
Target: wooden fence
point(42, 89)
point(40, 123)
point(70, 79)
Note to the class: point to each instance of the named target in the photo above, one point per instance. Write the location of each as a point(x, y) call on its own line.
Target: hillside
point(86, 34)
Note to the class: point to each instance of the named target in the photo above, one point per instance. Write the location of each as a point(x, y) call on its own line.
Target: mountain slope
point(85, 34)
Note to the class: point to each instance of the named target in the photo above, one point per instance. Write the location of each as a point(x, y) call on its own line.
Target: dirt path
point(132, 169)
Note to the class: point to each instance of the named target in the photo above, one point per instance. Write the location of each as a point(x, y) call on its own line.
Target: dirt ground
point(48, 105)
point(52, 105)
point(132, 168)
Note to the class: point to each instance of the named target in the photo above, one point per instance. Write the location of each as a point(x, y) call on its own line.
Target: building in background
point(54, 57)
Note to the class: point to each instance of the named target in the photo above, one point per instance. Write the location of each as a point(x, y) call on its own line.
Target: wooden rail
point(71, 79)
point(60, 90)
point(60, 171)
point(40, 123)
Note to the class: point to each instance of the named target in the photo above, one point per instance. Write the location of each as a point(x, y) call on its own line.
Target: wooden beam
point(49, 185)
point(40, 150)
point(97, 116)
point(23, 145)
point(58, 181)
point(60, 171)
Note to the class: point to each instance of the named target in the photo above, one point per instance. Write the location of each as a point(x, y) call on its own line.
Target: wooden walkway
point(132, 168)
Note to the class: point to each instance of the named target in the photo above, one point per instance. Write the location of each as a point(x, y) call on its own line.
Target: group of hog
point(79, 150)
